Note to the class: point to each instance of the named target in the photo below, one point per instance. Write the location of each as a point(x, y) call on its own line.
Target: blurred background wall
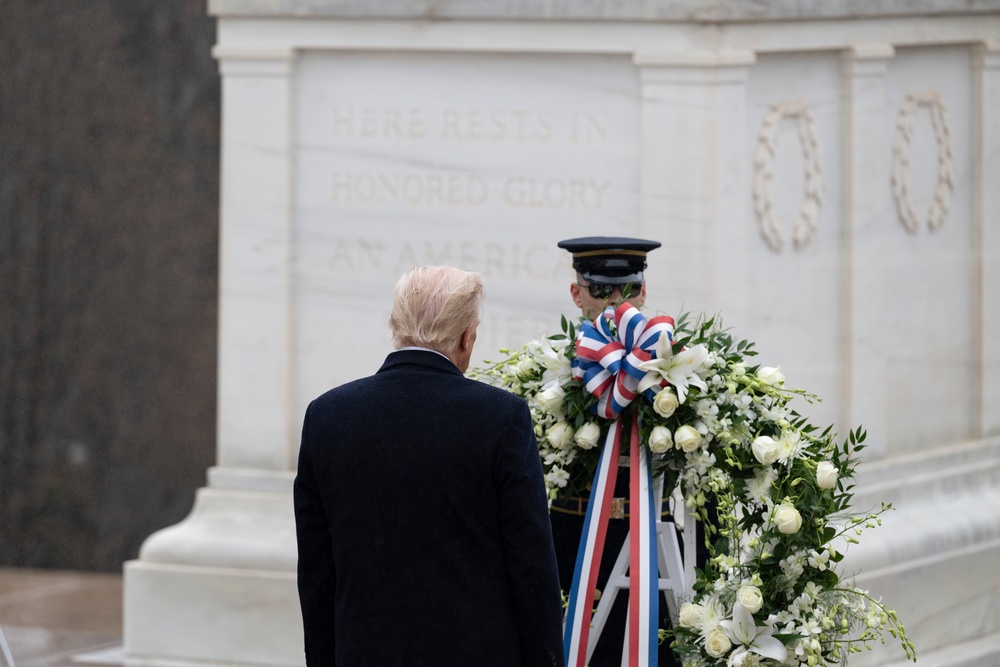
point(109, 181)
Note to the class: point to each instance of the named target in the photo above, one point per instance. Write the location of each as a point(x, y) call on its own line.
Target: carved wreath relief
point(763, 173)
point(938, 209)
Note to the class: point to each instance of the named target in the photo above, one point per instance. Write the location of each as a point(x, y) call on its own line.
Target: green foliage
point(773, 490)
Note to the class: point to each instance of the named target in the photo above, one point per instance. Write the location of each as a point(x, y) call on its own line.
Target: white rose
point(765, 449)
point(826, 475)
point(717, 644)
point(551, 400)
point(665, 402)
point(588, 435)
point(660, 440)
point(787, 519)
point(560, 435)
point(751, 598)
point(769, 375)
point(691, 615)
point(687, 438)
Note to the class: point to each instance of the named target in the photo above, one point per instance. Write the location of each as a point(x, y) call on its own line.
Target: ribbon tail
point(644, 588)
point(588, 557)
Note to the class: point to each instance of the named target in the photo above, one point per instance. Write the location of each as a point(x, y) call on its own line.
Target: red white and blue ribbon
point(608, 356)
point(607, 361)
point(644, 598)
point(588, 556)
point(644, 583)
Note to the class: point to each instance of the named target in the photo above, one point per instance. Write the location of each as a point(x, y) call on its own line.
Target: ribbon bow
point(608, 360)
point(608, 357)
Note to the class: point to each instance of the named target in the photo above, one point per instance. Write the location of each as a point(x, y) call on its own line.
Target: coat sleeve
point(317, 577)
point(527, 541)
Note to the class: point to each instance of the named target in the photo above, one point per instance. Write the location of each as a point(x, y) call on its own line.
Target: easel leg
point(617, 581)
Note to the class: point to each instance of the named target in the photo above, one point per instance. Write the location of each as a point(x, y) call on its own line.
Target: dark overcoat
point(422, 524)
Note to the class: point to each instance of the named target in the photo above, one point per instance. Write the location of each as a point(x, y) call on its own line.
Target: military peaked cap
point(611, 260)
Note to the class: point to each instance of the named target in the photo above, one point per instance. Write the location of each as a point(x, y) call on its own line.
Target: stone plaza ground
point(74, 619)
point(58, 618)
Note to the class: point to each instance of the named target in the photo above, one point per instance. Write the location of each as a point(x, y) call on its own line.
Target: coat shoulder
point(457, 388)
point(497, 395)
point(354, 389)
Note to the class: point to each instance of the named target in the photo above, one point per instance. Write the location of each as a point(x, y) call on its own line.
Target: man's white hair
point(433, 305)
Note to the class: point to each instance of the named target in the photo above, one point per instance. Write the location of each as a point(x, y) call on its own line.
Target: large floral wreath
point(773, 491)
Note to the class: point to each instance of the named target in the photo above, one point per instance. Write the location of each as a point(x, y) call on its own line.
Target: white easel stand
point(676, 575)
point(5, 658)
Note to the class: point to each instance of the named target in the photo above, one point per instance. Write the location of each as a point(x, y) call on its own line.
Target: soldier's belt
point(577, 506)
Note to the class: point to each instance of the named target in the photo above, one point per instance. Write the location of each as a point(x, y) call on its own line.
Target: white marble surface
point(793, 292)
point(931, 274)
point(986, 67)
point(254, 408)
point(637, 10)
point(198, 615)
point(361, 139)
point(484, 162)
point(934, 557)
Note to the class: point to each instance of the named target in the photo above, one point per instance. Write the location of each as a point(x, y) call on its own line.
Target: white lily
point(551, 356)
point(558, 369)
point(750, 638)
point(680, 370)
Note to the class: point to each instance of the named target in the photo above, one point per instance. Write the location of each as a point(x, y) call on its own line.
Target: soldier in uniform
point(609, 270)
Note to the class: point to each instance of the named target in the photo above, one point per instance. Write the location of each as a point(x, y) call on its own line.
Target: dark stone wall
point(109, 177)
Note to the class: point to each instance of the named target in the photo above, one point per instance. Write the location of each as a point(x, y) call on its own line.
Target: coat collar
point(420, 358)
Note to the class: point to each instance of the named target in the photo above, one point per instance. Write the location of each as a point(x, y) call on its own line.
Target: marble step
point(943, 501)
point(934, 556)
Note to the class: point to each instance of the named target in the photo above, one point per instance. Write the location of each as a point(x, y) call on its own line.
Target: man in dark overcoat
point(421, 516)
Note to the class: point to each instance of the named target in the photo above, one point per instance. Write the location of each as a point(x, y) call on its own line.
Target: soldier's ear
point(574, 291)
